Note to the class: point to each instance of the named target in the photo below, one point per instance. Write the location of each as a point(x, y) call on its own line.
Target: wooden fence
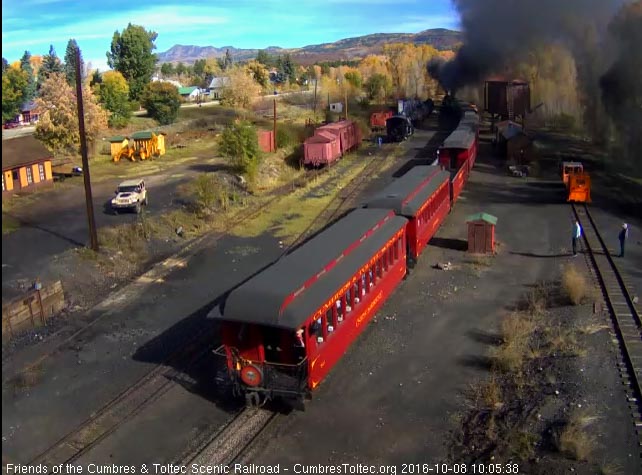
point(31, 310)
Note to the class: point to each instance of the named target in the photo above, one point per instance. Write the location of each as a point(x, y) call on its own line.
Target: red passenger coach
point(285, 328)
point(422, 195)
point(458, 148)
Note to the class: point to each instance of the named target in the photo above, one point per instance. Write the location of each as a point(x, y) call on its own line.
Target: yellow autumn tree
point(240, 90)
point(58, 124)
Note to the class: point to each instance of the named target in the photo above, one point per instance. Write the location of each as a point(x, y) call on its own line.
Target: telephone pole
point(274, 124)
point(93, 235)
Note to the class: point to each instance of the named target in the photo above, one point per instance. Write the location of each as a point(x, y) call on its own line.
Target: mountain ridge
point(343, 49)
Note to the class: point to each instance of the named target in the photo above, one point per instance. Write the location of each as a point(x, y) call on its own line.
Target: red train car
point(322, 148)
point(378, 119)
point(459, 147)
point(285, 328)
point(458, 181)
point(348, 133)
point(423, 196)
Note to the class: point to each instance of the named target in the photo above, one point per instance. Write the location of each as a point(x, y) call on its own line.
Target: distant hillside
point(348, 48)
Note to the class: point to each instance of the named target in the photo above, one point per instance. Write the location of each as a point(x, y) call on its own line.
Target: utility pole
point(345, 99)
point(274, 124)
point(93, 235)
point(316, 81)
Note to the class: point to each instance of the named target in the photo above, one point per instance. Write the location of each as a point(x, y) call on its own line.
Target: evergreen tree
point(5, 65)
point(96, 78)
point(70, 62)
point(227, 62)
point(25, 64)
point(167, 69)
point(132, 55)
point(50, 64)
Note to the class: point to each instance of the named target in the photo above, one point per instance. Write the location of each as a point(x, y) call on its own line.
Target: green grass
point(9, 224)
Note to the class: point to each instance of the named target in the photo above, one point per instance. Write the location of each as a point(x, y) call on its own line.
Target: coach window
point(373, 277)
point(329, 320)
point(349, 302)
point(316, 330)
point(378, 266)
point(357, 292)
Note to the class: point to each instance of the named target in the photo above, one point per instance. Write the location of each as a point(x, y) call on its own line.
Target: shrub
point(284, 137)
point(162, 101)
point(575, 439)
point(206, 191)
point(239, 143)
point(574, 284)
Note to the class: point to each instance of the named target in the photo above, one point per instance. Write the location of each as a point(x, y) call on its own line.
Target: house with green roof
point(190, 93)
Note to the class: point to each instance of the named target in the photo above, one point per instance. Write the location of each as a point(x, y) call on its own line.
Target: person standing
point(624, 234)
point(577, 234)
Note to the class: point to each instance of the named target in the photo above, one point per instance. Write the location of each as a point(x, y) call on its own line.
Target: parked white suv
point(131, 194)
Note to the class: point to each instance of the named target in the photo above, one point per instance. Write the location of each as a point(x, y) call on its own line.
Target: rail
point(623, 312)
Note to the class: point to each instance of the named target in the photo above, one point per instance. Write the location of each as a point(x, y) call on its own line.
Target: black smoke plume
point(498, 32)
point(621, 85)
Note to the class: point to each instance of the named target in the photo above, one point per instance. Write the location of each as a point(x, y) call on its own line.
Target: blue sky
point(35, 24)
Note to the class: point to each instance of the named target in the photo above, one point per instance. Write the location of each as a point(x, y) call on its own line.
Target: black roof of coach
point(407, 193)
point(279, 296)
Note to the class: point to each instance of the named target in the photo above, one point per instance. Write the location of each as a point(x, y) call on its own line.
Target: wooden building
point(116, 144)
point(26, 164)
point(481, 233)
point(150, 142)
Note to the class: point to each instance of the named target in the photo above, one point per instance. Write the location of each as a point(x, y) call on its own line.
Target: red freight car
point(322, 148)
point(285, 328)
point(348, 132)
point(423, 196)
point(378, 119)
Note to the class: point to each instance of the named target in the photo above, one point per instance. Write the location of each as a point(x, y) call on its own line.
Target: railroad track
point(624, 314)
point(341, 202)
point(126, 405)
point(234, 442)
point(157, 382)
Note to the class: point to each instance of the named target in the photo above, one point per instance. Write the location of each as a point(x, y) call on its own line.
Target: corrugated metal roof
point(264, 298)
point(116, 138)
point(409, 192)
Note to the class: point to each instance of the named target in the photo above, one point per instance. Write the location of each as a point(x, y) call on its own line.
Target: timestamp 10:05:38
point(460, 468)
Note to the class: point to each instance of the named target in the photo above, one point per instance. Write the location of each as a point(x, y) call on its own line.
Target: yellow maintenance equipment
point(570, 168)
point(579, 188)
point(141, 145)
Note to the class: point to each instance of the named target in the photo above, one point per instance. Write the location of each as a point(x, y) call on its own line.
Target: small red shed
point(266, 141)
point(481, 233)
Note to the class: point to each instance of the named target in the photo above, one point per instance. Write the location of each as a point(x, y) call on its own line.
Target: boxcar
point(423, 196)
point(286, 327)
point(346, 131)
point(322, 148)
